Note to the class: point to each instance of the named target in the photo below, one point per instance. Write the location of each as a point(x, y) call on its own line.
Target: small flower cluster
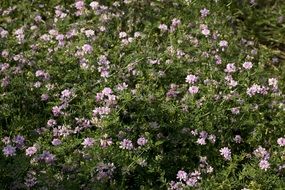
point(262, 154)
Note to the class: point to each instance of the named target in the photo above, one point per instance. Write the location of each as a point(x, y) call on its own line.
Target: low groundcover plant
point(138, 95)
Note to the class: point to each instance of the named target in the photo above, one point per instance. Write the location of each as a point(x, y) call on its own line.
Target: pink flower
point(51, 122)
point(281, 141)
point(223, 43)
point(261, 152)
point(181, 175)
point(247, 65)
point(102, 111)
point(126, 144)
point(79, 5)
point(107, 91)
point(193, 90)
point(192, 181)
point(191, 79)
point(31, 151)
point(142, 141)
point(65, 94)
point(56, 111)
point(256, 89)
point(206, 32)
point(230, 68)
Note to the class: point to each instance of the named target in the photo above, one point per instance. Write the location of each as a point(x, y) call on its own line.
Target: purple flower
point(31, 151)
point(126, 144)
point(264, 165)
point(204, 12)
point(226, 153)
point(30, 180)
point(88, 142)
point(19, 140)
point(47, 157)
point(9, 150)
point(56, 142)
point(142, 141)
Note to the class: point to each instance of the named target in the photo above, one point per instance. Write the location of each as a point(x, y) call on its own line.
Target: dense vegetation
point(141, 94)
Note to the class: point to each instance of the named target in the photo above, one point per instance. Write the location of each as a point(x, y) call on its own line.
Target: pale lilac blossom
point(193, 89)
point(9, 150)
point(126, 144)
point(264, 165)
point(226, 153)
point(31, 151)
point(247, 65)
point(191, 79)
point(88, 142)
point(142, 141)
point(204, 12)
point(281, 141)
point(181, 175)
